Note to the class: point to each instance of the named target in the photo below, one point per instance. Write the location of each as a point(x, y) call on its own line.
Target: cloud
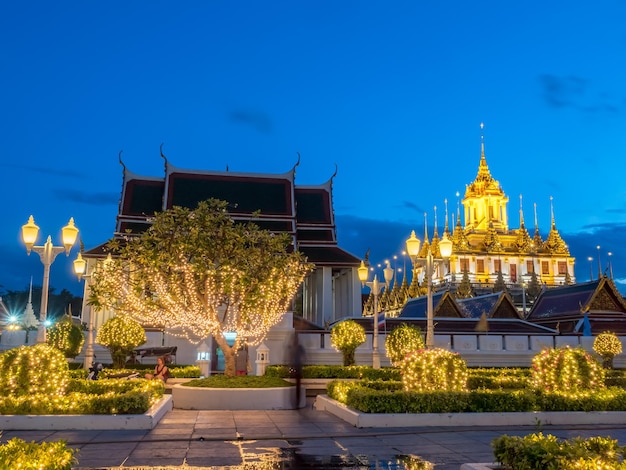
point(48, 171)
point(92, 199)
point(577, 93)
point(560, 92)
point(258, 120)
point(412, 206)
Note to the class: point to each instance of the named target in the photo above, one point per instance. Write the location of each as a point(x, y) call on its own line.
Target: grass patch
point(241, 381)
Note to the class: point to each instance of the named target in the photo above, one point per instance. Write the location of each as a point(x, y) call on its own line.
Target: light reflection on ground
point(291, 459)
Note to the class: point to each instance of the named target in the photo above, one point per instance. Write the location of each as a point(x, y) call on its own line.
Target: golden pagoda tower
point(485, 246)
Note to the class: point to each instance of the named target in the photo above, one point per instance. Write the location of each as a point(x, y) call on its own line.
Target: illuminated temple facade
point(486, 245)
point(487, 254)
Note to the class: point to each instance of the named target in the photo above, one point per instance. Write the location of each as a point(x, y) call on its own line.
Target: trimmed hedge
point(337, 372)
point(379, 398)
point(90, 397)
point(539, 452)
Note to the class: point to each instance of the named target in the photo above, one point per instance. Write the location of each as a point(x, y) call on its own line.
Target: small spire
point(521, 212)
point(435, 234)
point(425, 227)
point(458, 208)
point(30, 291)
point(552, 212)
point(536, 223)
point(446, 230)
point(482, 140)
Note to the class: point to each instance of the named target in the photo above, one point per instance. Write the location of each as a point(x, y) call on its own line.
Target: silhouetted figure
point(296, 358)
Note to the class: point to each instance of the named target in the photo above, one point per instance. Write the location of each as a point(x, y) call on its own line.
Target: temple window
point(480, 265)
point(530, 267)
point(464, 264)
point(497, 266)
point(562, 266)
point(545, 267)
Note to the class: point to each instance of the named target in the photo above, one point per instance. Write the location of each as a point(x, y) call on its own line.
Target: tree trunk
point(229, 352)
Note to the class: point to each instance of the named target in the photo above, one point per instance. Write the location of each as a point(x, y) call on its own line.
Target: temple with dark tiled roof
point(565, 308)
point(274, 202)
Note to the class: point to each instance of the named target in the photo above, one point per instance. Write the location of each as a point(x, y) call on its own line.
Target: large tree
point(198, 273)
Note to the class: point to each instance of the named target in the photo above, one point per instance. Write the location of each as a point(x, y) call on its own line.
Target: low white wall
point(479, 349)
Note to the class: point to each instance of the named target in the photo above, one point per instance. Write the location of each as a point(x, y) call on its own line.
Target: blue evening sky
point(391, 92)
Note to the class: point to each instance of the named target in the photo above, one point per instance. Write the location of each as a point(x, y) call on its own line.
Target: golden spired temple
point(487, 255)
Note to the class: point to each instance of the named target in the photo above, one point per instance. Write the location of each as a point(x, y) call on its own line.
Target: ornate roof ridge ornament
point(163, 156)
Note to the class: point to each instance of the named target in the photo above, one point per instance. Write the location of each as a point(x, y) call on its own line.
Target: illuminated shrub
point(566, 369)
point(435, 369)
point(66, 337)
point(401, 341)
point(18, 453)
point(607, 345)
point(346, 336)
point(120, 335)
point(31, 370)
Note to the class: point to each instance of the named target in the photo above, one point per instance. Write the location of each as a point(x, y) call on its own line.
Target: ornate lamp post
point(47, 252)
point(413, 249)
point(375, 287)
point(80, 269)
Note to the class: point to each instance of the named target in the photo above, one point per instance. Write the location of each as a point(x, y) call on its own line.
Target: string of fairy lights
point(195, 305)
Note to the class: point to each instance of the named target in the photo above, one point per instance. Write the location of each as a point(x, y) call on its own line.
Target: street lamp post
point(413, 248)
point(375, 287)
point(47, 253)
point(80, 269)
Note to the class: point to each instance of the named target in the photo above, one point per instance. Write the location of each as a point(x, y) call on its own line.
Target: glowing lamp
point(363, 272)
point(203, 352)
point(69, 233)
point(413, 245)
point(262, 358)
point(445, 246)
point(80, 265)
point(29, 233)
point(388, 273)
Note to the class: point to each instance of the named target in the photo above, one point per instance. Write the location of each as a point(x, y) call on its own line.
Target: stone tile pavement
point(294, 439)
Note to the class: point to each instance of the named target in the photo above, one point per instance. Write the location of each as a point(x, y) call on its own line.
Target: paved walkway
point(302, 439)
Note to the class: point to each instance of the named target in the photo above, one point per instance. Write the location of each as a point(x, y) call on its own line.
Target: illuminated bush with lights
point(607, 345)
point(401, 341)
point(32, 370)
point(434, 369)
point(566, 370)
point(66, 337)
point(346, 336)
point(18, 453)
point(120, 335)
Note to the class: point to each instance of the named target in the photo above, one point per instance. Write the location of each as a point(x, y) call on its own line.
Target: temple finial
point(552, 212)
point(425, 227)
point(297, 163)
point(163, 156)
point(119, 157)
point(458, 209)
point(521, 212)
point(445, 228)
point(435, 233)
point(536, 223)
point(482, 140)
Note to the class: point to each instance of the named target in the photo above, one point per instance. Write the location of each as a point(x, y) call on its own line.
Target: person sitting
point(161, 372)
